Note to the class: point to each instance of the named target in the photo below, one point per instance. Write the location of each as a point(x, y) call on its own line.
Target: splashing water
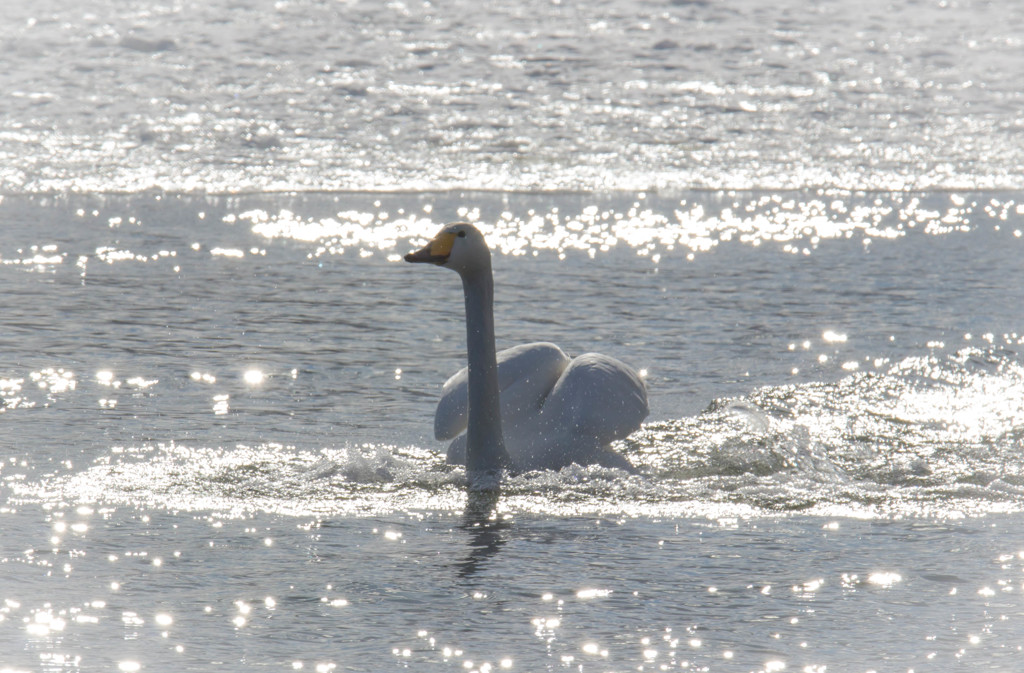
point(930, 436)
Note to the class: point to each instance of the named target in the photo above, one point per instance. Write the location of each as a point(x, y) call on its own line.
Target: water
point(803, 222)
point(303, 94)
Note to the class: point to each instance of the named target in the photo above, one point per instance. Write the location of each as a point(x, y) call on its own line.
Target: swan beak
point(435, 252)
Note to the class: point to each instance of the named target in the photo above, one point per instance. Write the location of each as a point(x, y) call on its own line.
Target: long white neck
point(485, 449)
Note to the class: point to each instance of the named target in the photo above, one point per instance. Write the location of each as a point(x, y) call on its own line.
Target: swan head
point(459, 247)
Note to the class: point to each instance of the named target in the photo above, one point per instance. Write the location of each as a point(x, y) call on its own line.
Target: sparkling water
point(801, 222)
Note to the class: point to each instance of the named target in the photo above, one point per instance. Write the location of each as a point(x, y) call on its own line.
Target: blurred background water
point(105, 95)
point(802, 221)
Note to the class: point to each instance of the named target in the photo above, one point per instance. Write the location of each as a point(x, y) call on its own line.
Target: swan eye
point(462, 234)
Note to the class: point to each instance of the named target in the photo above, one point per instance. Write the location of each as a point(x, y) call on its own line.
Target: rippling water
point(302, 94)
point(217, 416)
point(803, 222)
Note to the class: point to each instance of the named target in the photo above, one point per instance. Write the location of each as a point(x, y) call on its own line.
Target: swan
point(529, 407)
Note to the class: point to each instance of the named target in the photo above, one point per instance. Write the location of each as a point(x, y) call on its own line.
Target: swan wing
point(599, 397)
point(526, 374)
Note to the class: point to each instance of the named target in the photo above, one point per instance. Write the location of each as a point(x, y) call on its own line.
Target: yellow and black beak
point(435, 252)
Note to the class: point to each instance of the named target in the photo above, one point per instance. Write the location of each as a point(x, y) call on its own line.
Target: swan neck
point(485, 447)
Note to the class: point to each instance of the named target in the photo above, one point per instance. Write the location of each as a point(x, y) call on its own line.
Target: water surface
point(802, 221)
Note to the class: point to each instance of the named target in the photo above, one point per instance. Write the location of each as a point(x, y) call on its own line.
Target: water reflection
point(487, 530)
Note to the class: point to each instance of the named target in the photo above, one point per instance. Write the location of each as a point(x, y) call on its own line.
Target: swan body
point(529, 407)
point(555, 410)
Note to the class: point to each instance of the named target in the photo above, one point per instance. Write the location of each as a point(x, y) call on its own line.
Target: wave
point(932, 436)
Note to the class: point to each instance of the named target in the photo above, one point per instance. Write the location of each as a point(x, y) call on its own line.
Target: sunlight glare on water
point(799, 226)
point(540, 96)
point(868, 445)
point(801, 222)
point(840, 420)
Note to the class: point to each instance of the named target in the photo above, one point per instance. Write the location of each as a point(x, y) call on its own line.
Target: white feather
point(554, 410)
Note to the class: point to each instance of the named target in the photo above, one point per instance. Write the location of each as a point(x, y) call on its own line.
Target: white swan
point(528, 407)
